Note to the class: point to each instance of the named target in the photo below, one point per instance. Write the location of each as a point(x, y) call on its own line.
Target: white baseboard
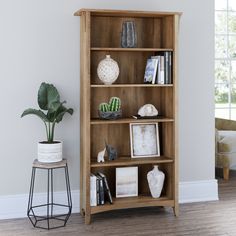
point(198, 191)
point(15, 206)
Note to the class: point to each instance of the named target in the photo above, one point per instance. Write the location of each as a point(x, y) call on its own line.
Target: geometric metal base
point(52, 221)
point(55, 215)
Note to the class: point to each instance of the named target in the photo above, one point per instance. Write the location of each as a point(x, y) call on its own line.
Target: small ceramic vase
point(155, 179)
point(108, 70)
point(128, 35)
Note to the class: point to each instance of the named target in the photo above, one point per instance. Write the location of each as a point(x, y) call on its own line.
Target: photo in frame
point(144, 140)
point(127, 182)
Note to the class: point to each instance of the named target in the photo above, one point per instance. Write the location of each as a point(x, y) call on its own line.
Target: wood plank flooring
point(201, 219)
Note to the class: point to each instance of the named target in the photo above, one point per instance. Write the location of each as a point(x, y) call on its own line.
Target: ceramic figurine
point(148, 110)
point(155, 179)
point(100, 157)
point(111, 152)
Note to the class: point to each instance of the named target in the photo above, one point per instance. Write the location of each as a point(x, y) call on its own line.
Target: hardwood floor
point(201, 219)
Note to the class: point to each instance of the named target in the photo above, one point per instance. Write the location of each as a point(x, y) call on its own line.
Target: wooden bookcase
point(100, 35)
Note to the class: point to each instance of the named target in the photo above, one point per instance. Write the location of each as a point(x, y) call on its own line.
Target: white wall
point(39, 41)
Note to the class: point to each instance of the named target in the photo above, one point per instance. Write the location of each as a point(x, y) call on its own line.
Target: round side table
point(53, 219)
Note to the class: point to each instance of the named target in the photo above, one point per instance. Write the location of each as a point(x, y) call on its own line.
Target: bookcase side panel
point(85, 114)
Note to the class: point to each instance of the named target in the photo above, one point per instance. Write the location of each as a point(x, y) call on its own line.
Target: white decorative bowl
point(108, 70)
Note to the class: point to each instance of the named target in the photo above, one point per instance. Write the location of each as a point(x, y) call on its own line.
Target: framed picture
point(127, 182)
point(144, 140)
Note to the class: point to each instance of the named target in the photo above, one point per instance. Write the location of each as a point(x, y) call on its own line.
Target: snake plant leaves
point(38, 113)
point(47, 95)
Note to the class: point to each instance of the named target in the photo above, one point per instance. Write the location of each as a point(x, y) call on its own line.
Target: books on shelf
point(159, 69)
point(99, 190)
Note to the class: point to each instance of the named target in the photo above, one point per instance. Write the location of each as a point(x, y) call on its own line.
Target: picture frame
point(144, 140)
point(126, 182)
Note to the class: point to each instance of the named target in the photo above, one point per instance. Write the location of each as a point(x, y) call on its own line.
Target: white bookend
point(93, 190)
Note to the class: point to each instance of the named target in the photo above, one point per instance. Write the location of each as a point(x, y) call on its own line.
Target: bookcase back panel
point(131, 99)
point(106, 31)
point(168, 32)
point(131, 64)
point(166, 132)
point(115, 135)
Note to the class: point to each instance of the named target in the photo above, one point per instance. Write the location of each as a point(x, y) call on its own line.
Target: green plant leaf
point(53, 110)
point(38, 113)
point(47, 95)
point(61, 112)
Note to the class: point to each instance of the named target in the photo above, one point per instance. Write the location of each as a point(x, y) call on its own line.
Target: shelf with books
point(139, 201)
point(130, 85)
point(98, 121)
point(132, 49)
point(128, 161)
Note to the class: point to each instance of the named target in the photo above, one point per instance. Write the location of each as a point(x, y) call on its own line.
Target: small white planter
point(49, 152)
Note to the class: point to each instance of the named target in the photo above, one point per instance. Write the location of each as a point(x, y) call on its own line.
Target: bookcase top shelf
point(140, 201)
point(132, 49)
point(125, 13)
point(98, 121)
point(130, 85)
point(128, 161)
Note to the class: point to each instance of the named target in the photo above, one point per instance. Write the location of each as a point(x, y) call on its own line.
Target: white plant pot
point(49, 152)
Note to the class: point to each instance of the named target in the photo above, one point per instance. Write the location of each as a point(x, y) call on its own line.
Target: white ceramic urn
point(155, 179)
point(50, 152)
point(108, 70)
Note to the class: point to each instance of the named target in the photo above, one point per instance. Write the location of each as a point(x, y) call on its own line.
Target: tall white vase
point(155, 179)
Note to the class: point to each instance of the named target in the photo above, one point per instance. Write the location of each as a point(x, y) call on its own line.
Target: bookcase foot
point(87, 219)
point(82, 212)
point(176, 211)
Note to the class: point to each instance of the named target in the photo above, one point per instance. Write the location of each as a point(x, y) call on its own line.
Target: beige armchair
point(225, 145)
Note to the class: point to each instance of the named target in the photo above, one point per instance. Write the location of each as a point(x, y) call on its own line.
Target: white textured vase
point(49, 152)
point(108, 70)
point(155, 179)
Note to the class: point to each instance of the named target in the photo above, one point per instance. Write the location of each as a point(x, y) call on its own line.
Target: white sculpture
point(100, 157)
point(155, 179)
point(147, 110)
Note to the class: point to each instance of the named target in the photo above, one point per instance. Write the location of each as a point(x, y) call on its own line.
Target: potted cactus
point(49, 101)
point(111, 110)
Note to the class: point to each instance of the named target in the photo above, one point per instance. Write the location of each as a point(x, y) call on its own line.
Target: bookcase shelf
point(157, 32)
point(131, 202)
point(97, 121)
point(132, 49)
point(130, 85)
point(128, 161)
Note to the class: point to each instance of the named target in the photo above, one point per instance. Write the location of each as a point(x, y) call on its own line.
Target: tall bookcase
point(100, 34)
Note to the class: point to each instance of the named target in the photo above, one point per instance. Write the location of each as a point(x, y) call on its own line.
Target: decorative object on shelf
point(128, 35)
point(127, 182)
point(147, 110)
point(144, 140)
point(112, 110)
point(151, 71)
point(111, 152)
point(100, 157)
point(49, 100)
point(108, 70)
point(155, 179)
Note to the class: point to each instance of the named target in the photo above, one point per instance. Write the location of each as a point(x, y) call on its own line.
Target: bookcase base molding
point(156, 39)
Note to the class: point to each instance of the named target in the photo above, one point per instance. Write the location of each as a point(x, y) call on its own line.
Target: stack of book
point(159, 69)
point(99, 190)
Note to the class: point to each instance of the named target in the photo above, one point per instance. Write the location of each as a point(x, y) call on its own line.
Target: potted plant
point(49, 101)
